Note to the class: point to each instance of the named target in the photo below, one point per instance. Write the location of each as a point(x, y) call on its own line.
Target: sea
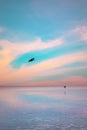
point(43, 108)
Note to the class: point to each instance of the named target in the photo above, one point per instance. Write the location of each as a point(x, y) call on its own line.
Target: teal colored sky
point(54, 32)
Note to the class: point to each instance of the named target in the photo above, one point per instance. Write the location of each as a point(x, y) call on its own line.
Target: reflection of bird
point(65, 90)
point(32, 59)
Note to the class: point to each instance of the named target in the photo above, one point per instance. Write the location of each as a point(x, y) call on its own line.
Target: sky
point(54, 32)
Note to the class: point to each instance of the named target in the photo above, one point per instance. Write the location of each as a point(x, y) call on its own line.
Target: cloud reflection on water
point(40, 108)
point(24, 97)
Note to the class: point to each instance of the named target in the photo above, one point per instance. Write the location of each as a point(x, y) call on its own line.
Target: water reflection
point(43, 109)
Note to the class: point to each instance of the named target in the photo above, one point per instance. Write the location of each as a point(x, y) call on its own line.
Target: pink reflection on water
point(67, 100)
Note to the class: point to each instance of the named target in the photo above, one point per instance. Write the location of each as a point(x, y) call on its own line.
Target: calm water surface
point(43, 108)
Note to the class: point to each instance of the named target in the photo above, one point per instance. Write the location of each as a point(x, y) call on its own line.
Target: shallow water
point(43, 108)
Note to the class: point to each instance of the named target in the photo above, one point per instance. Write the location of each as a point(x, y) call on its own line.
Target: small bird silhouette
point(32, 59)
point(64, 86)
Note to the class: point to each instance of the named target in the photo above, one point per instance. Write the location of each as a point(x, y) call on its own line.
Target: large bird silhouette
point(32, 59)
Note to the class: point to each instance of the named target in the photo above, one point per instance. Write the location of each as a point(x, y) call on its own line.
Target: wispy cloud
point(81, 31)
point(2, 29)
point(11, 50)
point(53, 56)
point(38, 44)
point(49, 34)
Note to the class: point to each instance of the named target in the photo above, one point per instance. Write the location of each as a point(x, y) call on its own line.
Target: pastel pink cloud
point(82, 32)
